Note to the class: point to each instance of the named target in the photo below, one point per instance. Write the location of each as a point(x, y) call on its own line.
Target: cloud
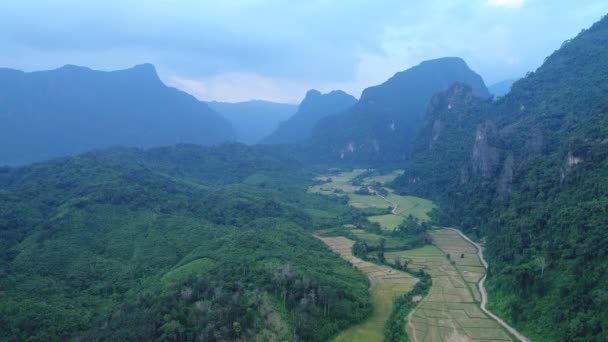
point(276, 50)
point(506, 3)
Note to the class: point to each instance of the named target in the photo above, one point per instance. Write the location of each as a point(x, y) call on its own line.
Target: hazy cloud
point(506, 3)
point(273, 49)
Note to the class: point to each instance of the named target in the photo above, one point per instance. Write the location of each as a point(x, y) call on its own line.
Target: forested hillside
point(174, 243)
point(529, 173)
point(73, 109)
point(382, 126)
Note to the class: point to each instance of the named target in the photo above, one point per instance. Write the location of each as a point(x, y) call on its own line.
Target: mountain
point(529, 174)
point(501, 88)
point(73, 109)
point(253, 120)
point(177, 243)
point(381, 127)
point(315, 106)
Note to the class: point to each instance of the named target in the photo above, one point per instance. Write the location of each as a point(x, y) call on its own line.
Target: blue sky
point(234, 50)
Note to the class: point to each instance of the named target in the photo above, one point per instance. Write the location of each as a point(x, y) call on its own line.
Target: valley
point(218, 196)
point(454, 308)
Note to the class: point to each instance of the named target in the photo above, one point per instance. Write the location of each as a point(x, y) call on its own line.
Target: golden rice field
point(386, 284)
point(451, 310)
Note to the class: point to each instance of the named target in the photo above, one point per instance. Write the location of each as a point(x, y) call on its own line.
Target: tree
point(381, 256)
point(236, 328)
point(542, 263)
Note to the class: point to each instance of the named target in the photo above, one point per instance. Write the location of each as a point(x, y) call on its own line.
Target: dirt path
point(484, 293)
point(411, 324)
point(393, 204)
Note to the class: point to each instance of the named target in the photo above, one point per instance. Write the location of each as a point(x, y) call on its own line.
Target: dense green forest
point(176, 243)
point(529, 172)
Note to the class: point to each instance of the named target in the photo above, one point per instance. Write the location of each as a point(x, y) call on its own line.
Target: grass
point(410, 205)
point(388, 222)
point(374, 239)
point(425, 251)
point(406, 205)
point(340, 182)
point(198, 266)
point(367, 201)
point(383, 179)
point(372, 329)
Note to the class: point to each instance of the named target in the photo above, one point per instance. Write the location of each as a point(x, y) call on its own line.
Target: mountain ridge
point(72, 109)
point(381, 127)
point(314, 107)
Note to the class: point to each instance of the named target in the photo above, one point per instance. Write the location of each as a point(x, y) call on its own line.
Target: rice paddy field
point(451, 310)
point(383, 179)
point(386, 284)
point(406, 205)
point(374, 239)
point(336, 184)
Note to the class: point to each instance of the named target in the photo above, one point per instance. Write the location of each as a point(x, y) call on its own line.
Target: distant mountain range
point(501, 88)
point(315, 106)
point(253, 120)
point(381, 127)
point(73, 109)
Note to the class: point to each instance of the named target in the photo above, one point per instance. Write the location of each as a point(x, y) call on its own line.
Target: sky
point(236, 50)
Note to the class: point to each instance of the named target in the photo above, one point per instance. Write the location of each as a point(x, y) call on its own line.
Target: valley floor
point(386, 284)
point(454, 309)
point(451, 311)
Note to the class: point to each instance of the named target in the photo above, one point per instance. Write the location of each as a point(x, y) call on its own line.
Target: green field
point(367, 201)
point(372, 329)
point(387, 222)
point(410, 205)
point(374, 239)
point(335, 184)
point(451, 309)
point(406, 205)
point(426, 251)
point(383, 179)
point(386, 285)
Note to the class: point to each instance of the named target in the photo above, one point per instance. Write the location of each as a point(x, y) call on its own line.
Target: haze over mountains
point(255, 119)
point(219, 243)
point(73, 109)
point(382, 125)
point(314, 107)
point(501, 88)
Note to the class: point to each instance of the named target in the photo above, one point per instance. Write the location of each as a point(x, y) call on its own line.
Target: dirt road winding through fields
point(484, 293)
point(393, 204)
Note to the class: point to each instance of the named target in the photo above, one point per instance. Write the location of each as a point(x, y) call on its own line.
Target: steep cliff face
point(382, 126)
point(455, 145)
point(529, 172)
